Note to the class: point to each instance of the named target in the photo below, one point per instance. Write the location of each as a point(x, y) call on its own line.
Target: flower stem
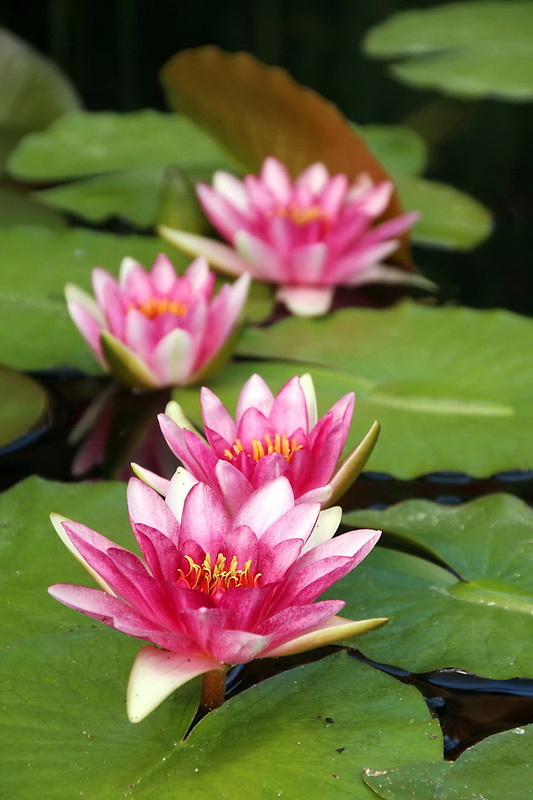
point(213, 689)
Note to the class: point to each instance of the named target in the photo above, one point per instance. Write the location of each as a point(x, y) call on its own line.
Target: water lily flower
point(270, 436)
point(211, 590)
point(154, 329)
point(307, 236)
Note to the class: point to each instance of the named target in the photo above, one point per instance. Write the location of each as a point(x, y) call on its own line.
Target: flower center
point(277, 444)
point(211, 578)
point(157, 306)
point(302, 216)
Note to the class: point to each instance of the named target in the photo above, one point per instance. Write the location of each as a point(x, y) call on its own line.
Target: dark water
point(94, 429)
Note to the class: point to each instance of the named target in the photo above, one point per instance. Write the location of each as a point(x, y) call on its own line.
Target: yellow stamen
point(210, 578)
point(157, 306)
point(301, 216)
point(279, 444)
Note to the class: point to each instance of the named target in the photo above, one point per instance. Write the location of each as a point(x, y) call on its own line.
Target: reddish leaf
point(255, 111)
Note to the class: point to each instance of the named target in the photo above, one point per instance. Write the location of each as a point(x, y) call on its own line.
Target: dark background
point(113, 49)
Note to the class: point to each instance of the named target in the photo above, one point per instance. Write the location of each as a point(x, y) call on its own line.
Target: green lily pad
point(450, 386)
point(398, 148)
point(34, 91)
point(314, 727)
point(131, 194)
point(469, 50)
point(498, 768)
point(84, 143)
point(296, 731)
point(33, 557)
point(66, 730)
point(449, 218)
point(23, 408)
point(475, 618)
point(37, 262)
point(306, 733)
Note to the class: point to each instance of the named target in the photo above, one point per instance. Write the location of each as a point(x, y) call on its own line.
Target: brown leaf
point(255, 111)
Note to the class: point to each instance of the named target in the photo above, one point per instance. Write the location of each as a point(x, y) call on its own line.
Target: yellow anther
point(157, 306)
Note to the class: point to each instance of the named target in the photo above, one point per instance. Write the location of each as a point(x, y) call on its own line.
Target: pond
point(314, 468)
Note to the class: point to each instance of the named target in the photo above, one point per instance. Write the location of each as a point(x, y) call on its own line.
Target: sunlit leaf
point(478, 621)
point(450, 386)
point(257, 111)
point(315, 727)
point(483, 48)
point(498, 768)
point(84, 143)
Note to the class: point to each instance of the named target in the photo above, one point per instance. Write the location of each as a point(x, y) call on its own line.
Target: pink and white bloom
point(270, 436)
point(307, 236)
point(154, 329)
point(210, 590)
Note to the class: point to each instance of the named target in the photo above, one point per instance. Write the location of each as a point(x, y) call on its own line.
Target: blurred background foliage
point(112, 51)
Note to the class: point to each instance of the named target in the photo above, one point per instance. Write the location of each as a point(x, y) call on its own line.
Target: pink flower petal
point(306, 301)
point(156, 674)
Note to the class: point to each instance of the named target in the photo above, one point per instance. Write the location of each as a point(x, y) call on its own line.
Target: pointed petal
point(156, 482)
point(261, 259)
point(308, 387)
point(176, 413)
point(333, 630)
point(352, 466)
point(156, 674)
point(216, 417)
point(306, 301)
point(254, 394)
point(219, 255)
point(147, 507)
point(124, 365)
point(266, 505)
point(325, 528)
point(180, 485)
point(173, 358)
point(57, 521)
point(289, 411)
point(234, 486)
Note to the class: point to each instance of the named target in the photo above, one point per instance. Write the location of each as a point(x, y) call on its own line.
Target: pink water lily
point(154, 329)
point(270, 436)
point(212, 590)
point(307, 236)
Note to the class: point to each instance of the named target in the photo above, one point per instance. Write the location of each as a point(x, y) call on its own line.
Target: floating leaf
point(83, 143)
point(449, 218)
point(34, 91)
point(399, 149)
point(257, 111)
point(478, 621)
point(37, 262)
point(315, 727)
point(23, 407)
point(498, 768)
point(451, 387)
point(471, 50)
point(33, 557)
